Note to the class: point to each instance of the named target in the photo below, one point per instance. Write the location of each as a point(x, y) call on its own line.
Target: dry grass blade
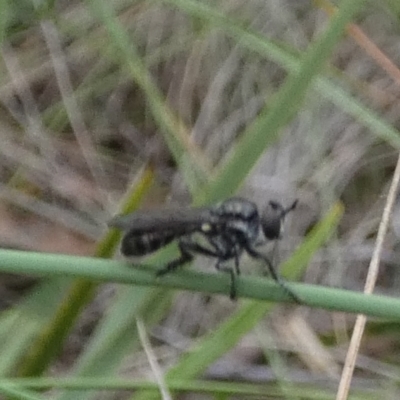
point(152, 359)
point(367, 44)
point(373, 270)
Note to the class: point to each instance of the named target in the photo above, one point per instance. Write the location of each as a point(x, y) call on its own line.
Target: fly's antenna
point(290, 208)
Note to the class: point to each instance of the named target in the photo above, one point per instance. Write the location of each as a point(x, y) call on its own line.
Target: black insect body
point(228, 228)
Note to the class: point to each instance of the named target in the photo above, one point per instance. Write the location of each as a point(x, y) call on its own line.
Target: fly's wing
point(181, 220)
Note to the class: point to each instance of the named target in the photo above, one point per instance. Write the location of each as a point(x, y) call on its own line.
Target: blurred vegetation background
point(107, 107)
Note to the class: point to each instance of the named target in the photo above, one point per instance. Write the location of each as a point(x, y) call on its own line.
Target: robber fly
point(228, 229)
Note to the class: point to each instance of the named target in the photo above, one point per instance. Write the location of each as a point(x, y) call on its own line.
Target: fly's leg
point(237, 269)
point(216, 253)
point(184, 258)
point(187, 248)
point(275, 256)
point(227, 249)
point(222, 255)
point(231, 272)
point(255, 254)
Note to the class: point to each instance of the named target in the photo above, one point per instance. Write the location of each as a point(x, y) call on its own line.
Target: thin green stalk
point(101, 270)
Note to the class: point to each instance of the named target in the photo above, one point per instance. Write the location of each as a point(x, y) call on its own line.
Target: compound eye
point(271, 228)
point(271, 221)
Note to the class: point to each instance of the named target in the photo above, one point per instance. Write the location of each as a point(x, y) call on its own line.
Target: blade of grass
point(197, 386)
point(34, 312)
point(15, 345)
point(17, 393)
point(249, 287)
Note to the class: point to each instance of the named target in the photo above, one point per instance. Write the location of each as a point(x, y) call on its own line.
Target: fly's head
point(273, 218)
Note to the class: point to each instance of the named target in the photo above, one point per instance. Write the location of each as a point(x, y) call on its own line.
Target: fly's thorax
point(240, 216)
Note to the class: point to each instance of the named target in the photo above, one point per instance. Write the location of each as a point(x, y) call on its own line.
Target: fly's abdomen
point(145, 243)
